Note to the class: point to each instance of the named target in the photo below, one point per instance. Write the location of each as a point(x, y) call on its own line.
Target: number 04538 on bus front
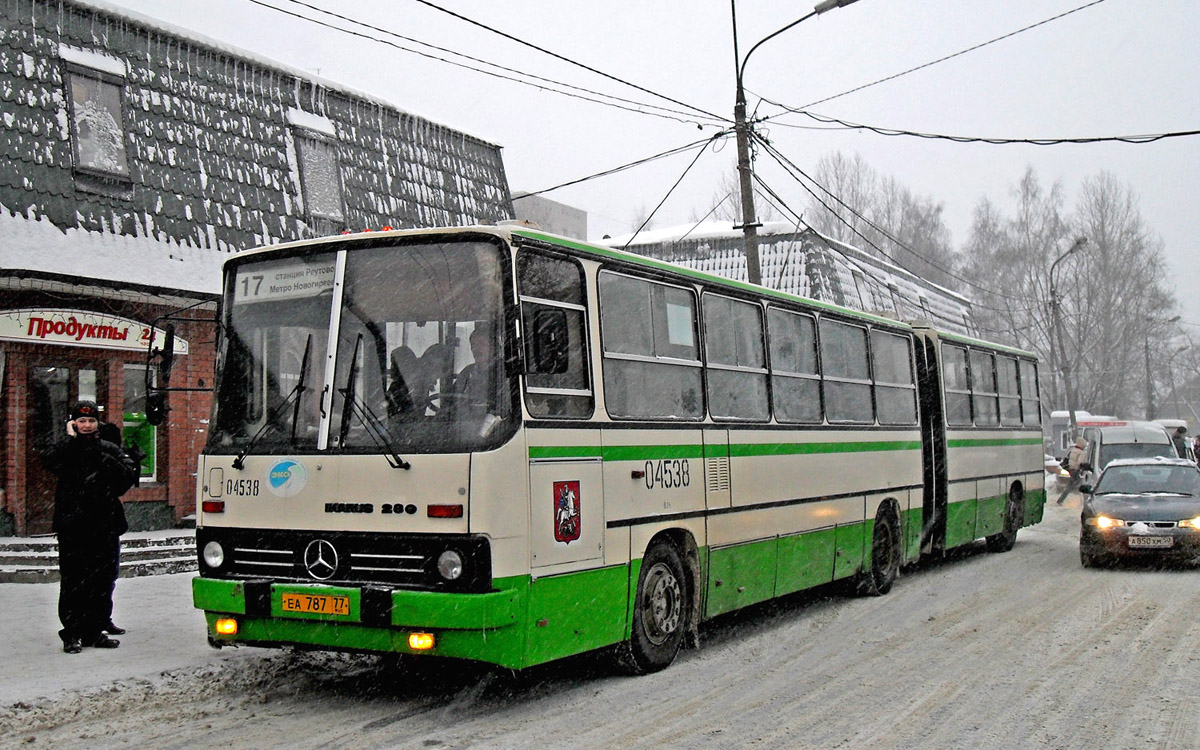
point(496, 444)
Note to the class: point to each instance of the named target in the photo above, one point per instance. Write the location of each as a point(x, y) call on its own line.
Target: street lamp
point(742, 130)
point(1064, 364)
point(1149, 377)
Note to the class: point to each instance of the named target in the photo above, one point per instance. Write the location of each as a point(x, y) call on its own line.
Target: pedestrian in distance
point(1180, 441)
point(89, 520)
point(1075, 467)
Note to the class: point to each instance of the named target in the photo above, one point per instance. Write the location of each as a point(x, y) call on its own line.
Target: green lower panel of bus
point(1035, 506)
point(522, 623)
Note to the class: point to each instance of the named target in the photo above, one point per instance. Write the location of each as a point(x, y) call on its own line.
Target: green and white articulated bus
point(496, 444)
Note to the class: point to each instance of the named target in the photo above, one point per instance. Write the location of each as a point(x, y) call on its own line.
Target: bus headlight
point(213, 555)
point(450, 565)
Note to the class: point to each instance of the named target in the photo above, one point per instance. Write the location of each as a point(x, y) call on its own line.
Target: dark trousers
point(88, 569)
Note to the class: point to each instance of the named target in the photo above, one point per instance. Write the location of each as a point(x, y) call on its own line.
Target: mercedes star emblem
point(320, 559)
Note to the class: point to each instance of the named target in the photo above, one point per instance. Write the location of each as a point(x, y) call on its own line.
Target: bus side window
point(895, 389)
point(737, 375)
point(554, 328)
point(1031, 412)
point(1006, 385)
point(847, 375)
point(956, 384)
point(983, 389)
point(651, 353)
point(795, 379)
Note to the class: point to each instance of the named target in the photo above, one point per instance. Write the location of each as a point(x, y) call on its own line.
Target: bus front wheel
point(660, 612)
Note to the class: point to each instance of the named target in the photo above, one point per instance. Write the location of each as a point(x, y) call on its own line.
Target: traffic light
point(156, 408)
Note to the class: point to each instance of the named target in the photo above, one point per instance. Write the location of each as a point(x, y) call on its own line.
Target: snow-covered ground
point(1024, 649)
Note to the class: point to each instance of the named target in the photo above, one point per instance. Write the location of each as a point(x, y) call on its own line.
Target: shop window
point(136, 429)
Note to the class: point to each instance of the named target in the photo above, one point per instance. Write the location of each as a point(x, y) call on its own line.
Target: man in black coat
point(89, 519)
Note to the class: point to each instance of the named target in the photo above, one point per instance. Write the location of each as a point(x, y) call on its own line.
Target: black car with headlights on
point(1141, 508)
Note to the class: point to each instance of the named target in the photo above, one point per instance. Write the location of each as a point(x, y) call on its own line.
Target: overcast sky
point(1118, 67)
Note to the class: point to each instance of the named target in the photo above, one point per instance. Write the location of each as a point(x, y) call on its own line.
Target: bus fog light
point(214, 555)
point(450, 565)
point(420, 641)
point(226, 626)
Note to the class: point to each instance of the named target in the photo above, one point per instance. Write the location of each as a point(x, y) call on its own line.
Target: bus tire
point(1014, 513)
point(885, 556)
point(660, 612)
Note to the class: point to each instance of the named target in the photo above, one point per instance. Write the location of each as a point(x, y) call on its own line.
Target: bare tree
point(879, 214)
point(1113, 296)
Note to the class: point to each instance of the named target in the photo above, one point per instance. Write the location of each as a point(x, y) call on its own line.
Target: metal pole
point(1149, 383)
point(1064, 360)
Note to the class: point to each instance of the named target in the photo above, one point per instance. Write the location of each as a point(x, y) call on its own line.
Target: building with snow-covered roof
point(134, 157)
point(802, 261)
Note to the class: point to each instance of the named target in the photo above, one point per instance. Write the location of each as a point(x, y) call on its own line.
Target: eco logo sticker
point(287, 478)
point(566, 511)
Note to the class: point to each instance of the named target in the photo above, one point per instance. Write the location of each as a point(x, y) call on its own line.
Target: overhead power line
point(931, 63)
point(637, 163)
point(796, 173)
point(568, 60)
point(508, 74)
point(1150, 138)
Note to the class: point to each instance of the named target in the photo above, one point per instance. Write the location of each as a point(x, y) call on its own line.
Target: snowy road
point(1021, 649)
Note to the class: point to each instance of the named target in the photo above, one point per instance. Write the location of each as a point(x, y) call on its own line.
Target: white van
point(1131, 440)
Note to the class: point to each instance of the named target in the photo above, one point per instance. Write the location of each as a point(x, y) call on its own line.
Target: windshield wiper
point(240, 461)
point(352, 405)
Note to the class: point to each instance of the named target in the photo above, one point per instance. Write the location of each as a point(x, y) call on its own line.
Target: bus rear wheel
point(660, 612)
point(885, 557)
point(1014, 511)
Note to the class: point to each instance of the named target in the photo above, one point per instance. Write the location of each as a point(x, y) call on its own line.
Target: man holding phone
point(89, 520)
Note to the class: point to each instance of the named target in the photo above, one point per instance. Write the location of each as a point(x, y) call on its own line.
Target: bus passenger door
point(716, 469)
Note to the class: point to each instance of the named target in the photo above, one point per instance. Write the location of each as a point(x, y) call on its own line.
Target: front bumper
point(479, 626)
point(1185, 543)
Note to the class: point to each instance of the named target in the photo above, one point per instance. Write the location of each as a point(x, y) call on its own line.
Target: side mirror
point(156, 407)
point(550, 354)
point(167, 354)
point(1086, 489)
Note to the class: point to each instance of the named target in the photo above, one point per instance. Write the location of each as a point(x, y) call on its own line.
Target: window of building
point(135, 429)
point(957, 385)
point(847, 375)
point(552, 293)
point(96, 86)
point(895, 389)
point(319, 170)
point(651, 353)
point(735, 358)
point(795, 379)
point(897, 300)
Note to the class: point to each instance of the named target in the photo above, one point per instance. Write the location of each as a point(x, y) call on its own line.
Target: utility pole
point(1149, 384)
point(741, 129)
point(1063, 360)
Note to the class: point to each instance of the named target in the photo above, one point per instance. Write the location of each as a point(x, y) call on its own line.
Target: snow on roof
point(267, 62)
point(38, 245)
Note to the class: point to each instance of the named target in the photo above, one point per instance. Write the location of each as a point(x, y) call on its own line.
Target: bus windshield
point(418, 360)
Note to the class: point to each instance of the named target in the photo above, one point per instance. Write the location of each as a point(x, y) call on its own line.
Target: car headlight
point(450, 565)
point(1104, 522)
point(1190, 523)
point(213, 555)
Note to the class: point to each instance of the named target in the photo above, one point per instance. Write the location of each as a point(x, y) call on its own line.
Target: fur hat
point(85, 409)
